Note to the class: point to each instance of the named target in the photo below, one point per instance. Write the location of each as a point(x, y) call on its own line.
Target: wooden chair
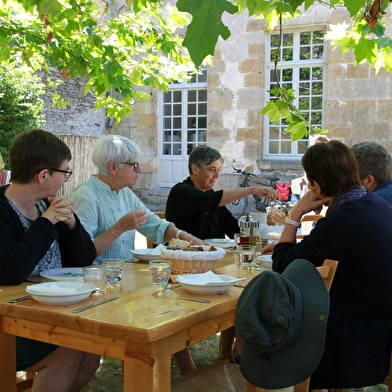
point(25, 384)
point(150, 244)
point(227, 377)
point(309, 218)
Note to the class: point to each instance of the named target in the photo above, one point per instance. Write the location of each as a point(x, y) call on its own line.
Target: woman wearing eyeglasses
point(108, 208)
point(39, 232)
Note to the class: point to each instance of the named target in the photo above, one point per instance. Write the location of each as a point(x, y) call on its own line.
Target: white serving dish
point(265, 260)
point(60, 293)
point(224, 243)
point(147, 254)
point(64, 274)
point(207, 288)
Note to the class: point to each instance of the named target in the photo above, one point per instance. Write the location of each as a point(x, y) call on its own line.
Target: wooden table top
point(137, 315)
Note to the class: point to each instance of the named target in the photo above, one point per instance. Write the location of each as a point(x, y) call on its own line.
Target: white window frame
point(295, 65)
point(183, 88)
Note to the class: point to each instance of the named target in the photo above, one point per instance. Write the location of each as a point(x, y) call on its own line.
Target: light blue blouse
point(99, 208)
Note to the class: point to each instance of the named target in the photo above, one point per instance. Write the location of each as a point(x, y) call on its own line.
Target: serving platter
point(64, 274)
point(60, 293)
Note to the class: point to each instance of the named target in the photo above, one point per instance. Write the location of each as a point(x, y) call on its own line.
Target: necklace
point(37, 212)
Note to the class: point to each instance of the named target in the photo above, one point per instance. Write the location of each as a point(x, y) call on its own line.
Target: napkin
point(200, 279)
point(157, 250)
point(52, 289)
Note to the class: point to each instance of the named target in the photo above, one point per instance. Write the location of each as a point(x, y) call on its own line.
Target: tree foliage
point(118, 51)
point(21, 104)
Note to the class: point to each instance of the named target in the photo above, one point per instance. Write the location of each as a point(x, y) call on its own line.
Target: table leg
point(148, 369)
point(7, 363)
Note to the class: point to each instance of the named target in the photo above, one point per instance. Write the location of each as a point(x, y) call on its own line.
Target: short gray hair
point(202, 156)
point(114, 148)
point(373, 159)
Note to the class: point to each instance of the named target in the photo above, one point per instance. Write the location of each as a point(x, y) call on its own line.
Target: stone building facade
point(356, 103)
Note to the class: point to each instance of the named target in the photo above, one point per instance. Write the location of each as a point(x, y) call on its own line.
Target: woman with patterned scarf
point(357, 232)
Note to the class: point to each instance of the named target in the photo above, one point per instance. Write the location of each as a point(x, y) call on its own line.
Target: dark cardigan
point(358, 345)
point(20, 252)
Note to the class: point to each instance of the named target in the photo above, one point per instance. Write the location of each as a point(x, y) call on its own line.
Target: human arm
point(171, 232)
point(230, 195)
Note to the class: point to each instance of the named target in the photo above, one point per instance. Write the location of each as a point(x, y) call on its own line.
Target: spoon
point(16, 300)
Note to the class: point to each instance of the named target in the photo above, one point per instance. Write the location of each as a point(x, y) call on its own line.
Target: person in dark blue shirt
point(375, 168)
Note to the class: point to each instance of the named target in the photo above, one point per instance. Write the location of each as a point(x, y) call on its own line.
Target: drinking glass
point(160, 273)
point(113, 270)
point(94, 274)
point(247, 255)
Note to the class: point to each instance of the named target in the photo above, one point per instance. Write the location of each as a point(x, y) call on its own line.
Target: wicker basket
point(189, 262)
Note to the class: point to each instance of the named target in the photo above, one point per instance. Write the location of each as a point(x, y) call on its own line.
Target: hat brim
point(299, 360)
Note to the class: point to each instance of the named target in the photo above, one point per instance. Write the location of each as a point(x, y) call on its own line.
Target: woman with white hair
point(110, 211)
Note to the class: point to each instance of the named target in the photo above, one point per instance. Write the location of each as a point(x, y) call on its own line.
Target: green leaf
point(206, 26)
point(353, 6)
point(365, 50)
point(297, 130)
point(50, 8)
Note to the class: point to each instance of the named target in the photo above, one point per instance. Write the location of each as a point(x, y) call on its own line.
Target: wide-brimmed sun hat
point(283, 320)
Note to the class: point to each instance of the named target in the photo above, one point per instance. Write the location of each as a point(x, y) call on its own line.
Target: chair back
point(150, 244)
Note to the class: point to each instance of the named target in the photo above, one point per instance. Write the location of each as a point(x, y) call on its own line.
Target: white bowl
point(265, 260)
point(60, 293)
point(209, 288)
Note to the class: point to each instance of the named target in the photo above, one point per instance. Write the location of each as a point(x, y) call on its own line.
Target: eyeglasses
point(67, 173)
point(135, 165)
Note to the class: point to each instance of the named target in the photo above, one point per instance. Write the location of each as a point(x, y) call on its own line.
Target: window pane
point(167, 110)
point(202, 108)
point(274, 147)
point(202, 123)
point(166, 149)
point(177, 149)
point(176, 123)
point(191, 109)
point(167, 123)
point(177, 96)
point(202, 136)
point(167, 97)
point(167, 136)
point(176, 136)
point(317, 103)
point(191, 136)
point(287, 54)
point(177, 110)
point(286, 147)
point(191, 122)
point(202, 95)
point(192, 96)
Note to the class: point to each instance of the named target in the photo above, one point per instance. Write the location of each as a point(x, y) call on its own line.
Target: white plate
point(146, 254)
point(224, 243)
point(265, 260)
point(64, 274)
point(209, 288)
point(60, 293)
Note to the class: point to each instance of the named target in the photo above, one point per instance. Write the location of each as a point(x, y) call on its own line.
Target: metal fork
point(204, 301)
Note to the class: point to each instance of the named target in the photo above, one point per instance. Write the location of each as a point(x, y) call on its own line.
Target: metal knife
point(94, 304)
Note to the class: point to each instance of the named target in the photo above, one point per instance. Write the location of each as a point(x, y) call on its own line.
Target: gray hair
point(115, 148)
point(202, 156)
point(373, 159)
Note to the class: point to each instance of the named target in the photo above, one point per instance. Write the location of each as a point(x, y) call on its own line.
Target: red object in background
point(284, 189)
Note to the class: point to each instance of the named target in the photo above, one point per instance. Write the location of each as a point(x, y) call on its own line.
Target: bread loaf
point(176, 243)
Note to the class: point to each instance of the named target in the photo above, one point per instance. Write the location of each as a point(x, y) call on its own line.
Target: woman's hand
point(267, 191)
point(132, 220)
point(311, 201)
point(61, 209)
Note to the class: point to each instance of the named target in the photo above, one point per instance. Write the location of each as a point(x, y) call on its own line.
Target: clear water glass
point(113, 270)
point(160, 273)
point(94, 274)
point(247, 255)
